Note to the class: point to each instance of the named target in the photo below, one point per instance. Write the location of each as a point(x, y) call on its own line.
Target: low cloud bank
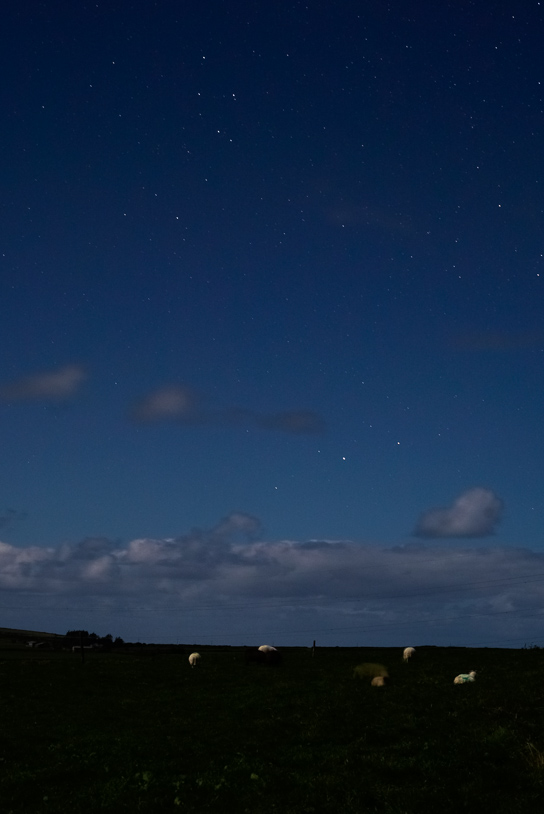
point(225, 573)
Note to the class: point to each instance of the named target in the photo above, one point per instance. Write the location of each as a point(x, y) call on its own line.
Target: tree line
point(83, 637)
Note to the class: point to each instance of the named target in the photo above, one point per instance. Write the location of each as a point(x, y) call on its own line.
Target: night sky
point(272, 321)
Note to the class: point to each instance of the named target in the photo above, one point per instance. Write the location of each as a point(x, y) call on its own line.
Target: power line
point(354, 627)
point(523, 578)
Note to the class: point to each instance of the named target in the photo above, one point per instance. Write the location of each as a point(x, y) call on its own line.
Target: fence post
point(81, 648)
point(313, 650)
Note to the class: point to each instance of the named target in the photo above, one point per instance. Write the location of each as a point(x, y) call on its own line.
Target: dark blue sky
point(269, 273)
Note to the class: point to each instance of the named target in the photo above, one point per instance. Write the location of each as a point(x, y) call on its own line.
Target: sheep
point(371, 671)
point(194, 658)
point(267, 648)
point(465, 678)
point(408, 653)
point(378, 681)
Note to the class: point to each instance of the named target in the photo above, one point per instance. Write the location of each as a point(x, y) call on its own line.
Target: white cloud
point(100, 569)
point(51, 385)
point(216, 560)
point(222, 582)
point(475, 513)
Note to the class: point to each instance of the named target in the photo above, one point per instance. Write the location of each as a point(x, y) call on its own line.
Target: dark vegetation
point(253, 655)
point(15, 638)
point(136, 729)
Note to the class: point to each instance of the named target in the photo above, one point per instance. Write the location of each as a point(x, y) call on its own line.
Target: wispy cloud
point(170, 403)
point(475, 513)
point(498, 340)
point(51, 385)
point(181, 404)
point(294, 421)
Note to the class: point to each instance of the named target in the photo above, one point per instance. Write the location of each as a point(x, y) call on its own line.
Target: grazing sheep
point(371, 671)
point(194, 658)
point(378, 681)
point(267, 648)
point(465, 678)
point(408, 653)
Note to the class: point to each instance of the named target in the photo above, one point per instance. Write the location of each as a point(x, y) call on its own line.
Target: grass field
point(141, 731)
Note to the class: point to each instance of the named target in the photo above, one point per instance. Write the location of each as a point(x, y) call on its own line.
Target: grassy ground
point(143, 733)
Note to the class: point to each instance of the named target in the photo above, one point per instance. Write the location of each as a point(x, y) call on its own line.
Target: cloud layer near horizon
point(227, 568)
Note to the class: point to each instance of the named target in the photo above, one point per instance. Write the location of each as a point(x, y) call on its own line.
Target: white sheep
point(465, 678)
point(267, 648)
point(194, 658)
point(408, 653)
point(378, 681)
point(371, 671)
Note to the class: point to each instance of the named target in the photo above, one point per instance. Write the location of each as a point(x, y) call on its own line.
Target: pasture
point(141, 731)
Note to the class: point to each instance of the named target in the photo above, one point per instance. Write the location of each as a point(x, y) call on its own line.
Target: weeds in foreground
point(534, 756)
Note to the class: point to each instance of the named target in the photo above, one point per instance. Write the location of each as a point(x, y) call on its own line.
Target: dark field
point(142, 731)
